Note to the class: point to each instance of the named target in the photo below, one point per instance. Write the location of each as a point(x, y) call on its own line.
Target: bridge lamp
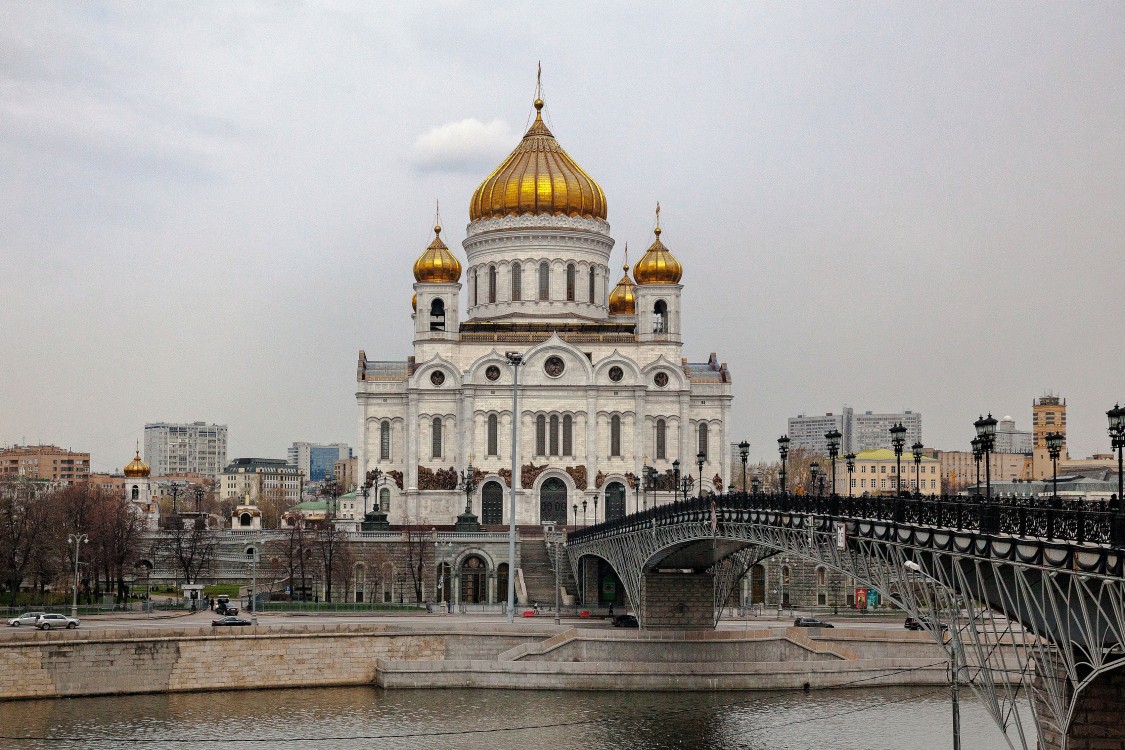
point(783, 451)
point(1117, 433)
point(744, 453)
point(832, 439)
point(986, 433)
point(700, 458)
point(1054, 448)
point(977, 454)
point(849, 461)
point(898, 441)
point(814, 472)
point(583, 513)
point(676, 478)
point(756, 484)
point(917, 449)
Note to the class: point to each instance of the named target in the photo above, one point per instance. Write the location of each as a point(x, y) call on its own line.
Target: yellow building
point(876, 473)
point(1048, 414)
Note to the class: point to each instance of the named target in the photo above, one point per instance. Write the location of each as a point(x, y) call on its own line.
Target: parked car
point(49, 621)
point(230, 621)
point(811, 622)
point(625, 621)
point(923, 623)
point(27, 618)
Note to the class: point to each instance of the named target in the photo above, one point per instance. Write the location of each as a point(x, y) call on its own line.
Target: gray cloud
point(468, 145)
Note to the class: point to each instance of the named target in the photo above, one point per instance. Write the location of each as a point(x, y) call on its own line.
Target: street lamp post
point(198, 500)
point(77, 540)
point(814, 473)
point(468, 484)
point(783, 450)
point(898, 440)
point(849, 461)
point(986, 431)
point(832, 439)
point(917, 449)
point(977, 454)
point(175, 490)
point(583, 514)
point(699, 459)
point(1054, 448)
point(1116, 417)
point(576, 515)
point(756, 485)
point(676, 480)
point(744, 453)
point(515, 359)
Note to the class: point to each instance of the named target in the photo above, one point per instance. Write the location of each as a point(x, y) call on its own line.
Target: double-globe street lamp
point(898, 441)
point(699, 459)
point(783, 451)
point(986, 431)
point(814, 474)
point(744, 453)
point(1054, 442)
point(977, 454)
point(832, 440)
point(1117, 434)
point(917, 450)
point(849, 461)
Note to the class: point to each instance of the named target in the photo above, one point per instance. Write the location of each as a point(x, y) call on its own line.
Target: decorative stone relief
point(631, 478)
point(578, 474)
point(554, 366)
point(506, 475)
point(397, 477)
point(718, 482)
point(441, 479)
point(529, 473)
point(599, 480)
point(519, 221)
point(437, 377)
point(492, 372)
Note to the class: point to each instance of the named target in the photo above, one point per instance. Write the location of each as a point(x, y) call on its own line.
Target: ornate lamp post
point(783, 451)
point(898, 440)
point(174, 489)
point(1117, 433)
point(376, 518)
point(977, 454)
point(849, 461)
point(986, 431)
point(814, 473)
point(515, 359)
point(686, 484)
point(583, 514)
point(756, 484)
point(676, 479)
point(575, 517)
point(832, 438)
point(700, 458)
point(467, 521)
point(77, 540)
point(917, 450)
point(198, 499)
point(744, 453)
point(1054, 448)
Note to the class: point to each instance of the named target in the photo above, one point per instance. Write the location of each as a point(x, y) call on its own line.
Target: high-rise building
point(315, 460)
point(1011, 440)
point(195, 447)
point(860, 432)
point(48, 462)
point(1048, 414)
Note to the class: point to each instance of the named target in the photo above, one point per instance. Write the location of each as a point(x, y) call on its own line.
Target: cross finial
point(539, 81)
point(626, 256)
point(437, 216)
point(658, 214)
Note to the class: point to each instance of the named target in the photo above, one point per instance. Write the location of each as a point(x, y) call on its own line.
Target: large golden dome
point(137, 469)
point(658, 265)
point(622, 301)
point(538, 178)
point(437, 264)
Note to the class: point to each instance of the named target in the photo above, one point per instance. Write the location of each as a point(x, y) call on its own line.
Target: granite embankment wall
point(90, 662)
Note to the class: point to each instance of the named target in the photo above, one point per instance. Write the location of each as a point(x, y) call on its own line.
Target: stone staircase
point(539, 572)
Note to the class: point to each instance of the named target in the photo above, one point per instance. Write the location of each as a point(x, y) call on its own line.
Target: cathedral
point(603, 394)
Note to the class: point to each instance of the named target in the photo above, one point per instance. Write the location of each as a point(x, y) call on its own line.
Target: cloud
point(466, 146)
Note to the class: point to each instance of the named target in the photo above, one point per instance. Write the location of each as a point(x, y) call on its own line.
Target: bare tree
point(418, 543)
point(328, 542)
point(192, 546)
point(273, 505)
point(23, 523)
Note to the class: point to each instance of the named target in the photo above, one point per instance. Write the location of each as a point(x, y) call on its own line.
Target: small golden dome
point(437, 264)
point(621, 299)
point(137, 469)
point(658, 265)
point(538, 178)
point(414, 302)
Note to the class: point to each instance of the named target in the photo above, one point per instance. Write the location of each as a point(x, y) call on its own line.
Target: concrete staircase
point(539, 572)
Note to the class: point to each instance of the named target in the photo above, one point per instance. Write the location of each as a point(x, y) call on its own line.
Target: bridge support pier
point(1096, 722)
point(678, 601)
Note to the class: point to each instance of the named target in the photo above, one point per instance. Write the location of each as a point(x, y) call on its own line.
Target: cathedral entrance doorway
point(552, 501)
point(492, 504)
point(474, 580)
point(614, 501)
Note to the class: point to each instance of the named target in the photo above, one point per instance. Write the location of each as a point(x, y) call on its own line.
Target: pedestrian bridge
point(1045, 577)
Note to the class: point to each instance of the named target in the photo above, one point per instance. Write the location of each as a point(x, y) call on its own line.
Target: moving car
point(626, 621)
point(230, 621)
point(49, 621)
point(922, 623)
point(27, 618)
point(811, 622)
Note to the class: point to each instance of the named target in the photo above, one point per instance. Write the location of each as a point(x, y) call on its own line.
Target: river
point(352, 718)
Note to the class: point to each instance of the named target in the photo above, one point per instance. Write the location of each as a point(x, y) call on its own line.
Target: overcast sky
point(209, 208)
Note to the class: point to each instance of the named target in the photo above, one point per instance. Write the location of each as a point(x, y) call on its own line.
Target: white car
point(49, 621)
point(27, 618)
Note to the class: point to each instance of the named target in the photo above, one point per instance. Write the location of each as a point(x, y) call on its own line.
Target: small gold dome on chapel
point(437, 264)
point(658, 265)
point(137, 469)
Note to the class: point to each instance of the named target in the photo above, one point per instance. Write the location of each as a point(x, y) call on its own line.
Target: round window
point(615, 374)
point(437, 377)
point(554, 366)
point(661, 379)
point(492, 372)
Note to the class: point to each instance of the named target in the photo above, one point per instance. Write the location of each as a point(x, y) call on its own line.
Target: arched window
point(437, 315)
point(615, 435)
point(472, 287)
point(245, 519)
point(517, 273)
point(492, 284)
point(136, 492)
point(571, 273)
point(568, 435)
point(435, 447)
point(703, 438)
point(385, 500)
point(661, 439)
point(540, 435)
point(660, 317)
point(554, 434)
point(493, 447)
point(785, 585)
point(544, 281)
point(385, 441)
point(592, 300)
